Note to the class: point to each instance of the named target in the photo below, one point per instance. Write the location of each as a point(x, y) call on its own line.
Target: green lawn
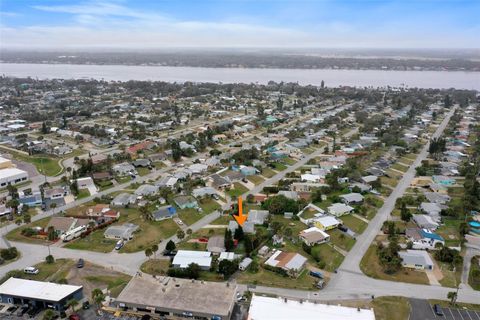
point(268, 173)
point(143, 171)
point(124, 179)
point(341, 240)
point(222, 220)
point(389, 181)
point(16, 235)
point(93, 242)
point(255, 179)
point(149, 233)
point(113, 283)
point(208, 205)
point(391, 308)
point(47, 272)
point(290, 161)
point(450, 232)
point(355, 224)
point(474, 276)
point(279, 166)
point(189, 216)
point(399, 167)
point(272, 279)
point(370, 265)
point(157, 267)
point(332, 258)
point(238, 190)
point(450, 278)
point(83, 193)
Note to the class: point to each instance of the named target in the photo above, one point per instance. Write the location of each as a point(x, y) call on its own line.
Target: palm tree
point(145, 213)
point(154, 250)
point(98, 297)
point(148, 252)
point(72, 303)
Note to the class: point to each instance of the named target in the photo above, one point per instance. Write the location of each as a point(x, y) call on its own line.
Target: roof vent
point(358, 309)
point(285, 300)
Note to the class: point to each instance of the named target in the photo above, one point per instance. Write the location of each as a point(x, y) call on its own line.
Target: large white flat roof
point(265, 308)
point(9, 172)
point(40, 290)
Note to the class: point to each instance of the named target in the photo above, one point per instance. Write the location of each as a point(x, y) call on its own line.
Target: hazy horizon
point(240, 24)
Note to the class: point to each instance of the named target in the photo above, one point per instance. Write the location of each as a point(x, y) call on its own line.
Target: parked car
point(74, 317)
point(316, 274)
point(31, 270)
point(119, 245)
point(33, 311)
point(11, 310)
point(80, 263)
point(21, 311)
point(86, 305)
point(438, 310)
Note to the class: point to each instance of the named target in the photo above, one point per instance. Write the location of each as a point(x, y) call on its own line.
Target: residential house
point(416, 259)
point(204, 191)
point(121, 232)
point(339, 209)
point(423, 238)
point(313, 236)
point(186, 202)
point(325, 222)
point(62, 225)
point(425, 221)
point(167, 182)
point(216, 244)
point(124, 169)
point(257, 217)
point(123, 200)
point(248, 171)
point(146, 190)
point(291, 262)
point(164, 212)
point(143, 163)
point(352, 198)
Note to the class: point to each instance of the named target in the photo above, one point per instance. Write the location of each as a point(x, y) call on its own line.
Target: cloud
point(113, 24)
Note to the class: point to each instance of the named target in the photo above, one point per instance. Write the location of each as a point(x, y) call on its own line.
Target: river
point(332, 78)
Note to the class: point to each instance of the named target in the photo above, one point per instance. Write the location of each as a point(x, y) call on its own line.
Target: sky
point(156, 24)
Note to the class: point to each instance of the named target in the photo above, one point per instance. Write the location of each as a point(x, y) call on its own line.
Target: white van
point(31, 270)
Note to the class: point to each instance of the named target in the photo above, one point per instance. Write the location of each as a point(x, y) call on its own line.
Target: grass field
point(450, 232)
point(93, 242)
point(450, 278)
point(279, 166)
point(16, 235)
point(474, 276)
point(83, 193)
point(189, 216)
point(157, 267)
point(268, 173)
point(238, 190)
point(332, 258)
point(341, 240)
point(115, 284)
point(385, 308)
point(399, 167)
point(372, 268)
point(271, 279)
point(208, 205)
point(355, 224)
point(143, 171)
point(149, 233)
point(255, 179)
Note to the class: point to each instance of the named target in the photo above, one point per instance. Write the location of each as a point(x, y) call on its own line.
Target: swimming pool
point(475, 224)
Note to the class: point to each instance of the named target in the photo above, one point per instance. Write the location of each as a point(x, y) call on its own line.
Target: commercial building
point(180, 298)
point(12, 176)
point(38, 293)
point(266, 308)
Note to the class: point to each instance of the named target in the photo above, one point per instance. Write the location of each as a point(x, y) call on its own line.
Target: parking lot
point(423, 310)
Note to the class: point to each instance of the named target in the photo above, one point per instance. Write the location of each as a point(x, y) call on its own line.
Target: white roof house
point(38, 290)
point(339, 209)
point(266, 308)
point(287, 260)
point(325, 222)
point(185, 257)
point(310, 177)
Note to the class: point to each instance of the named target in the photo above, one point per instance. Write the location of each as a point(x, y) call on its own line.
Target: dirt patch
point(92, 276)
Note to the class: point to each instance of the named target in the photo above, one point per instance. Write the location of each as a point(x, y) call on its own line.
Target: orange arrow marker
point(240, 217)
